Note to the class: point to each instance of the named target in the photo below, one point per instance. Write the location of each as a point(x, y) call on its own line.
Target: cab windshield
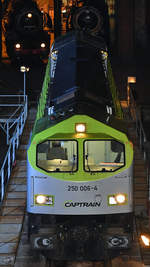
point(103, 155)
point(57, 156)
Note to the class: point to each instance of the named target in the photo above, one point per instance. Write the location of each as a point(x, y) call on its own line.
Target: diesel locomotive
point(90, 16)
point(80, 160)
point(26, 31)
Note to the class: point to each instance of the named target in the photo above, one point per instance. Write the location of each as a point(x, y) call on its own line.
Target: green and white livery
point(80, 159)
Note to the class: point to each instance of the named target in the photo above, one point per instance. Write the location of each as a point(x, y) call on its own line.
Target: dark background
point(129, 49)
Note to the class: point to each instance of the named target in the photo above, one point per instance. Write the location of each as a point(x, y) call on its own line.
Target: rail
point(12, 124)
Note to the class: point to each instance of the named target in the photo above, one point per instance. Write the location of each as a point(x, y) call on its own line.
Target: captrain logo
point(71, 204)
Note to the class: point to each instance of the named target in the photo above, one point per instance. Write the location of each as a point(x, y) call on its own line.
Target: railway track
point(14, 246)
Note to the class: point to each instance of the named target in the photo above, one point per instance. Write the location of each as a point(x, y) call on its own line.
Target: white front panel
point(79, 197)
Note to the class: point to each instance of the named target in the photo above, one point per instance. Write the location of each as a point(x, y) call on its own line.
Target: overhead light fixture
point(130, 82)
point(24, 69)
point(131, 79)
point(145, 240)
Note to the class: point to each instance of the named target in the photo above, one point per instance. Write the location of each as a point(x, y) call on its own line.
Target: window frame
point(56, 171)
point(102, 171)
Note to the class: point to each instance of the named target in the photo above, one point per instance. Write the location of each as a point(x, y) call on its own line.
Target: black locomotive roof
point(78, 83)
point(77, 71)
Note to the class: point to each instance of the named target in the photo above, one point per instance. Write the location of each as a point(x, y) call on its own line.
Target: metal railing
point(135, 112)
point(12, 124)
point(136, 115)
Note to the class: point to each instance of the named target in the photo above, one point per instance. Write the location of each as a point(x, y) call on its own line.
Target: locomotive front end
point(80, 190)
point(25, 36)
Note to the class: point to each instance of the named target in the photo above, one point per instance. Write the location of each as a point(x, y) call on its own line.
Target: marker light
point(40, 199)
point(43, 45)
point(146, 240)
point(17, 45)
point(112, 200)
point(29, 15)
point(118, 199)
point(80, 128)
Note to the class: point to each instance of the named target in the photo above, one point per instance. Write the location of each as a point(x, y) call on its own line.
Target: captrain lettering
point(82, 204)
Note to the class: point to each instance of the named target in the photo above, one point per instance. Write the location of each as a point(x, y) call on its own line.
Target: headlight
point(44, 200)
point(43, 45)
point(29, 15)
point(120, 198)
point(17, 45)
point(40, 199)
point(117, 199)
point(80, 127)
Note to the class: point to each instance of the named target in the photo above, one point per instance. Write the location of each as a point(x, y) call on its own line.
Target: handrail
point(13, 142)
point(135, 111)
point(8, 121)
